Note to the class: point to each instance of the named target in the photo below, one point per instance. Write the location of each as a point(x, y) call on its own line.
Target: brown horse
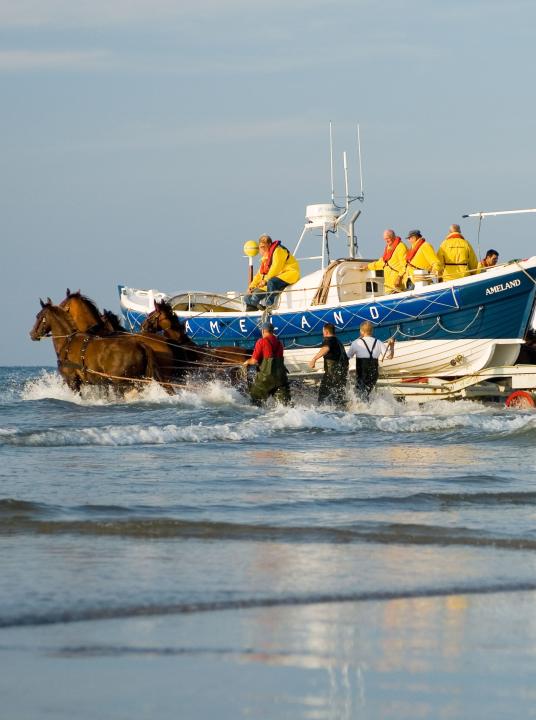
point(85, 314)
point(171, 361)
point(88, 359)
point(163, 319)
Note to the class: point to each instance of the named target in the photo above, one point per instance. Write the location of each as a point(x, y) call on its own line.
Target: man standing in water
point(272, 377)
point(333, 384)
point(367, 350)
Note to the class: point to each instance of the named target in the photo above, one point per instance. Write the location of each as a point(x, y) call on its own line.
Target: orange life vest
point(414, 250)
point(388, 254)
point(267, 261)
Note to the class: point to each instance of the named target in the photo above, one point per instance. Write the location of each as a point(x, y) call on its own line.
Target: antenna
point(331, 162)
point(345, 164)
point(362, 194)
point(499, 212)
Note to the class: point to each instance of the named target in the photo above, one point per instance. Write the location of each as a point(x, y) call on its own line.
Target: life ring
point(521, 399)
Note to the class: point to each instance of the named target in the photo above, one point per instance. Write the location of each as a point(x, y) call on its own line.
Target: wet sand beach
point(455, 656)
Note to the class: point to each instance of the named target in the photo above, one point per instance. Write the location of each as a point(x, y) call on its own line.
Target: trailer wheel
point(521, 399)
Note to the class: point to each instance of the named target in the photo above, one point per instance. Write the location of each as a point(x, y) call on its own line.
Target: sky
point(144, 141)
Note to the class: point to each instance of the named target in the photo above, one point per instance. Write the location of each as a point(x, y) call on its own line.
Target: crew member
point(272, 377)
point(392, 262)
point(489, 261)
point(367, 350)
point(333, 384)
point(278, 269)
point(420, 256)
point(456, 255)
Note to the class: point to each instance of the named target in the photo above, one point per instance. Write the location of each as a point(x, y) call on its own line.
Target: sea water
point(195, 556)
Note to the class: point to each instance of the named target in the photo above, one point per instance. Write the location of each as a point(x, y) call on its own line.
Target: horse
point(85, 314)
point(111, 322)
point(88, 359)
point(164, 320)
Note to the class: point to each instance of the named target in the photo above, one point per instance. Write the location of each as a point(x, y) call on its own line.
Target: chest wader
point(333, 384)
point(271, 380)
point(366, 373)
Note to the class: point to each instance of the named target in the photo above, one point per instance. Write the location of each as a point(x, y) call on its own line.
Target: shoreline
point(453, 655)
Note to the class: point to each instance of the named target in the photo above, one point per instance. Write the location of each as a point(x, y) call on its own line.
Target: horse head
point(44, 320)
point(83, 311)
point(110, 322)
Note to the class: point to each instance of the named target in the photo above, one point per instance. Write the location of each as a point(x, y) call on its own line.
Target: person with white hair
point(457, 257)
point(392, 262)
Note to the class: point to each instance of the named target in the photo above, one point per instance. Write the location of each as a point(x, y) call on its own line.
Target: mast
point(330, 217)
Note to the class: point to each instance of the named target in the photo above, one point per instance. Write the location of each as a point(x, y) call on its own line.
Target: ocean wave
point(176, 528)
point(465, 427)
point(142, 516)
point(91, 614)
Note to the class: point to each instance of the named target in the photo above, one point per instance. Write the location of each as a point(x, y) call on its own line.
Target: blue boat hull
point(489, 306)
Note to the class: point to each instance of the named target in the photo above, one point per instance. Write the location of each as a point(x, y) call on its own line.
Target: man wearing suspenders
point(367, 350)
point(333, 384)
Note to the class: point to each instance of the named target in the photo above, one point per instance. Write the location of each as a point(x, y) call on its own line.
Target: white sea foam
point(49, 385)
point(283, 420)
point(384, 415)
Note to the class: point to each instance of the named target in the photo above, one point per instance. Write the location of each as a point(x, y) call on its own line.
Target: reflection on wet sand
point(407, 657)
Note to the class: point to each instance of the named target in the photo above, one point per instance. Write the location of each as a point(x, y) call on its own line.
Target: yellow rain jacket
point(457, 257)
point(393, 267)
point(281, 264)
point(424, 259)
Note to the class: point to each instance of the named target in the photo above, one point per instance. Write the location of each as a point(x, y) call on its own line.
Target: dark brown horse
point(163, 319)
point(172, 362)
point(88, 359)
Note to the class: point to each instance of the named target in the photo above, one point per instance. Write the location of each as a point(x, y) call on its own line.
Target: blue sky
point(144, 142)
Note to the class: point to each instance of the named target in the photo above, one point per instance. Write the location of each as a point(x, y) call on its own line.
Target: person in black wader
point(333, 384)
point(271, 379)
point(367, 350)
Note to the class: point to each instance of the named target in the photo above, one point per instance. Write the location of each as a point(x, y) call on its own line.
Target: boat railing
point(297, 297)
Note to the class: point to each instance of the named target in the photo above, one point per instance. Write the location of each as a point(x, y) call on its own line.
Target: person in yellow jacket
point(457, 257)
point(278, 269)
point(392, 262)
point(420, 256)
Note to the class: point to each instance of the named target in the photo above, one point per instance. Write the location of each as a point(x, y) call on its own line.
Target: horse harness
point(69, 364)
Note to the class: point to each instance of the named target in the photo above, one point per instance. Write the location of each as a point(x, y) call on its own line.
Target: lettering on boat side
point(503, 286)
point(304, 322)
point(214, 327)
point(374, 314)
point(187, 326)
point(242, 324)
point(337, 318)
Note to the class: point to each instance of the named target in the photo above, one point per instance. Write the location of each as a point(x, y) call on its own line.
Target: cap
point(413, 233)
point(268, 326)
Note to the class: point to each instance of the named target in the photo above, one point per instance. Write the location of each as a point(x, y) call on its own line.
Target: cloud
point(99, 13)
point(31, 60)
